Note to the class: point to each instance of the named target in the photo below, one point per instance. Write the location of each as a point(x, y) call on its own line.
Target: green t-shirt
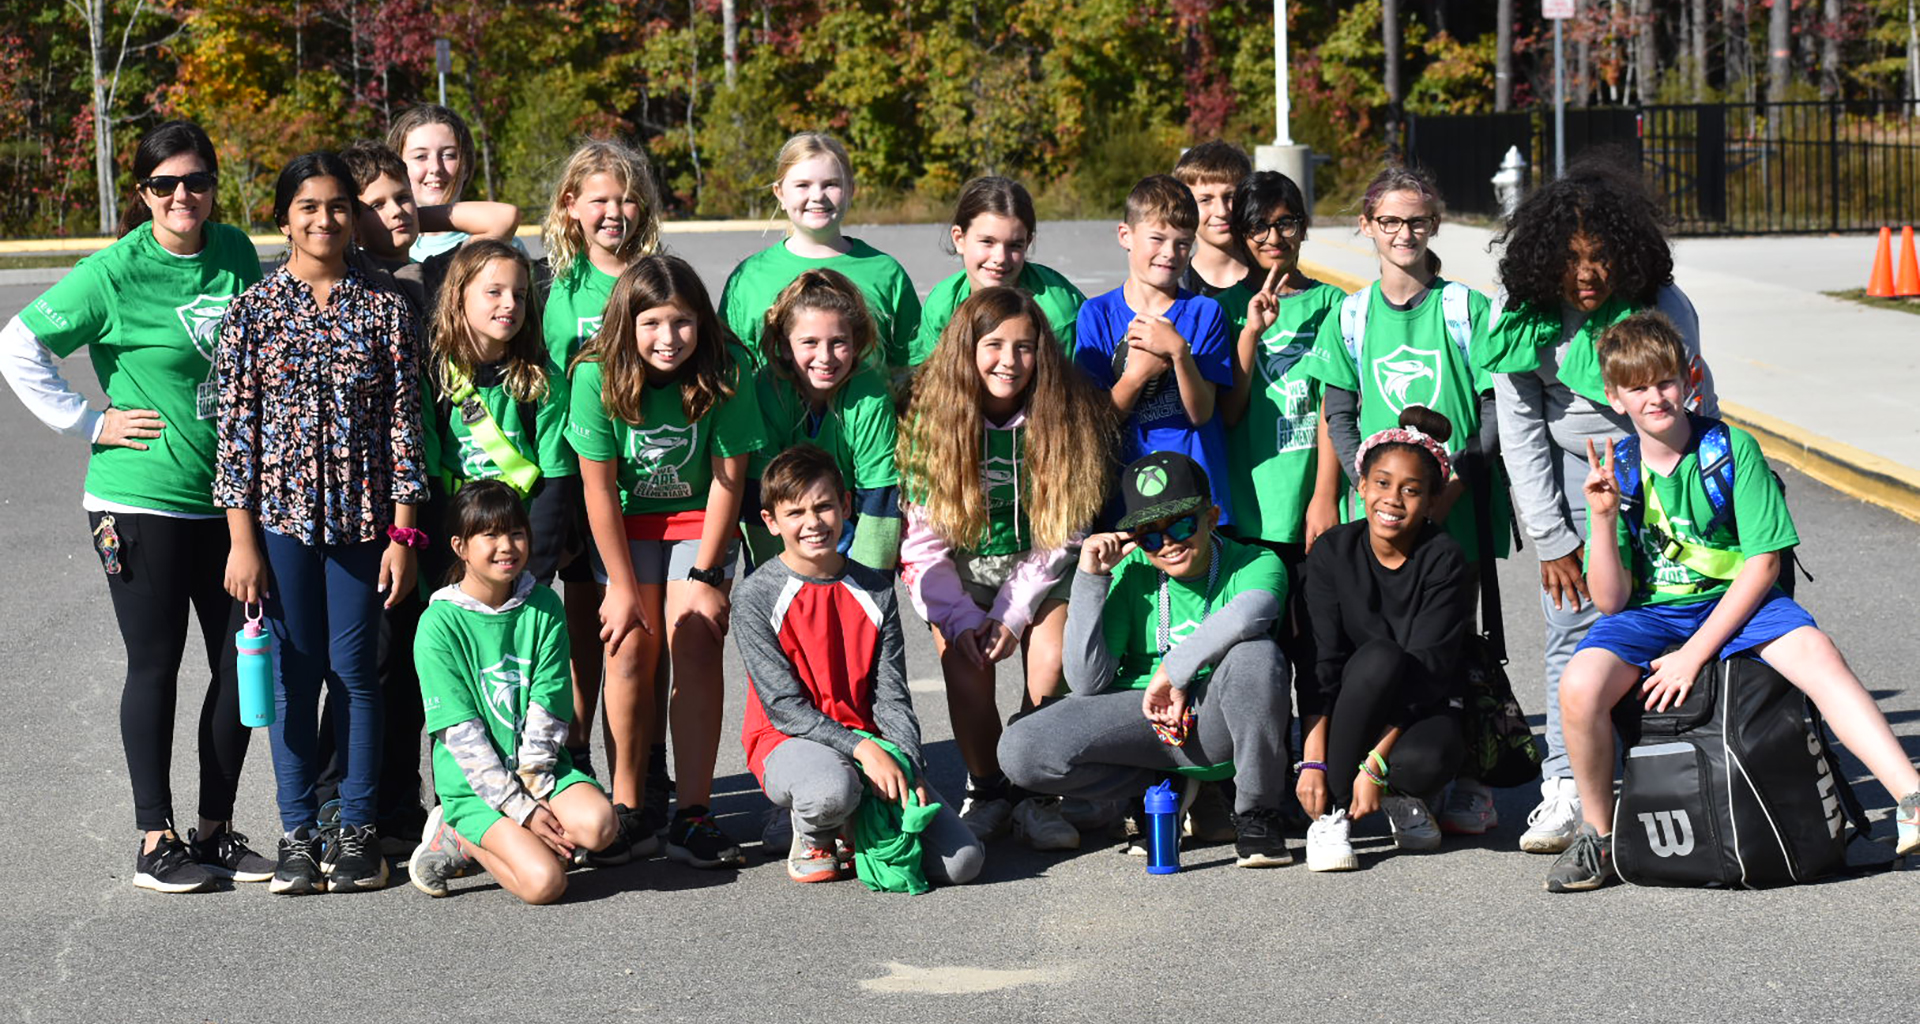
point(757, 281)
point(858, 427)
point(150, 321)
point(1130, 622)
point(665, 462)
point(492, 666)
point(1052, 292)
point(1410, 359)
point(1233, 302)
point(574, 309)
point(1758, 523)
point(1272, 452)
point(542, 442)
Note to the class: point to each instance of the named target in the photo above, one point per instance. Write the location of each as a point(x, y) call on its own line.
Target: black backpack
point(1736, 786)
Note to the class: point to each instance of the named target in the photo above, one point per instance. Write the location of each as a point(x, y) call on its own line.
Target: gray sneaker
point(437, 859)
point(1210, 817)
point(1586, 864)
point(1413, 826)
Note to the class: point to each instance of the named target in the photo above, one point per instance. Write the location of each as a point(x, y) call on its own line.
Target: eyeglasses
point(1183, 528)
point(1418, 225)
point(160, 186)
point(1289, 227)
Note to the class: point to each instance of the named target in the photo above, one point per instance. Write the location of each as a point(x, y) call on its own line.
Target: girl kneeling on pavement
point(1391, 607)
point(493, 660)
point(1169, 656)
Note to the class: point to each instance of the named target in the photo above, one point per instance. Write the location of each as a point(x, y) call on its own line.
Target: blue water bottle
point(1163, 829)
point(254, 657)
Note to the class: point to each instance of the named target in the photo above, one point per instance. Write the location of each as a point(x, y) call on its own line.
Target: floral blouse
point(319, 409)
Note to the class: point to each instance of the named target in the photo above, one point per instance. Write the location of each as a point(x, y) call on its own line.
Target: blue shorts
point(1639, 635)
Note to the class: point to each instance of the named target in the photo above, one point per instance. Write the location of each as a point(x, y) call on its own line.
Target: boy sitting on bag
point(1693, 557)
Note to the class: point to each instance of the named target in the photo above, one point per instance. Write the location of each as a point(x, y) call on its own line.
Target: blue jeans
point(325, 613)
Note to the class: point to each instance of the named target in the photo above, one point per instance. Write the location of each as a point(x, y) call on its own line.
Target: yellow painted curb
point(1338, 278)
point(1863, 475)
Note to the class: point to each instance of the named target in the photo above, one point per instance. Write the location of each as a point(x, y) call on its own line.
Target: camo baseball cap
point(1160, 485)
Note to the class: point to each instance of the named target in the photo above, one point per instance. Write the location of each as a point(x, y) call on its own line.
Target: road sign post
point(1558, 11)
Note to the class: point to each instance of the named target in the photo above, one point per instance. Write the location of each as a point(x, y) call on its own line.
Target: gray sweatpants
point(1100, 747)
point(823, 787)
point(1566, 625)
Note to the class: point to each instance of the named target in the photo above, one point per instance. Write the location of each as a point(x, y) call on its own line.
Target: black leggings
point(167, 566)
point(1431, 747)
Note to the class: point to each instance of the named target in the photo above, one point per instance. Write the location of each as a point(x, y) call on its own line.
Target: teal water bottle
point(254, 659)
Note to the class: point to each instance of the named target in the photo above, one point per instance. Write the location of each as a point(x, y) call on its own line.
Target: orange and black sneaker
point(808, 861)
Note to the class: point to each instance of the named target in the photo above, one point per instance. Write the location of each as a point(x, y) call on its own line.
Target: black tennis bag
point(1737, 786)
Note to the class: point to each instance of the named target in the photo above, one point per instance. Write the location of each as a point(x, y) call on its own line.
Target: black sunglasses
point(161, 186)
point(1178, 530)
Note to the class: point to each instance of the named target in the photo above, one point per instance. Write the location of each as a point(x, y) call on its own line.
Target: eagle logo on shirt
point(1408, 376)
point(475, 463)
point(1000, 475)
point(1275, 362)
point(658, 455)
point(501, 685)
point(201, 319)
point(586, 328)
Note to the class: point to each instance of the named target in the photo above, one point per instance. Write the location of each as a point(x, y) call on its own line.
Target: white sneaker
point(1329, 847)
point(987, 818)
point(1037, 822)
point(1468, 810)
point(1412, 824)
point(1552, 825)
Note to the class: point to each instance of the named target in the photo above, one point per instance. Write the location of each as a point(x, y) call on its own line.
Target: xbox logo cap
point(1160, 485)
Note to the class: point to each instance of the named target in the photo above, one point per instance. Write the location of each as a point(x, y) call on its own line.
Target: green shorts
point(472, 817)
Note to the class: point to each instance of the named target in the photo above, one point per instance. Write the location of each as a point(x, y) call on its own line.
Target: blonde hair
point(806, 146)
point(1642, 349)
point(561, 233)
point(456, 348)
point(828, 291)
point(1070, 433)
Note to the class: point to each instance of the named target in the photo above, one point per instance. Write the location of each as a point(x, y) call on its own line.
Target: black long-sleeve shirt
point(1425, 607)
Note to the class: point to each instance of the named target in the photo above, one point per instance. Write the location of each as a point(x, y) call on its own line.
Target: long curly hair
point(709, 378)
point(456, 348)
point(561, 234)
point(1611, 206)
point(1070, 431)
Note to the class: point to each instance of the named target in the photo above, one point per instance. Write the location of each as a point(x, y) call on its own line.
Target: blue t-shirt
point(1158, 422)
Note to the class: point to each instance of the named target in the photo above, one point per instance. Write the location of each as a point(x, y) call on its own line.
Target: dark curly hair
point(1608, 203)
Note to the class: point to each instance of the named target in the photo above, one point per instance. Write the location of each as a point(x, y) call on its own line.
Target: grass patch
point(1860, 295)
point(36, 262)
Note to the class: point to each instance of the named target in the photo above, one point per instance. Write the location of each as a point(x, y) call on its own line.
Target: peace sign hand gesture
point(1603, 495)
point(1264, 308)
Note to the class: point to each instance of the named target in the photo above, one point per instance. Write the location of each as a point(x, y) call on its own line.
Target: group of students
point(1189, 504)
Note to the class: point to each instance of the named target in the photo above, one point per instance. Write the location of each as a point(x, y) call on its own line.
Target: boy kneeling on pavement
point(1169, 659)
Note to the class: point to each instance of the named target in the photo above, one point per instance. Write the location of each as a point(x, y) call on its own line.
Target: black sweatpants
point(168, 567)
point(1431, 747)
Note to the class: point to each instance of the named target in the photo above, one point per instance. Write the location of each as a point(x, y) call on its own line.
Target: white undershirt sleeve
point(29, 368)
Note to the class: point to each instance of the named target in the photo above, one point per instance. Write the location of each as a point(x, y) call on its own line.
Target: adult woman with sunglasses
point(148, 310)
point(1170, 662)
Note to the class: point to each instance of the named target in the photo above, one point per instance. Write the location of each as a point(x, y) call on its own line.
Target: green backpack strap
point(514, 468)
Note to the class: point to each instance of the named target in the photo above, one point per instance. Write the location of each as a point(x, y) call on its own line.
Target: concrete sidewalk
point(1828, 386)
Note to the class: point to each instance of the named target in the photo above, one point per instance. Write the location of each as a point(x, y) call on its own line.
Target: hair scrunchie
point(1404, 435)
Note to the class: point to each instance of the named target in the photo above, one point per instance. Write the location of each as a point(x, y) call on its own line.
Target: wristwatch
point(711, 577)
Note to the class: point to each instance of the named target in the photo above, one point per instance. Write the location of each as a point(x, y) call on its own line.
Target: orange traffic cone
point(1907, 283)
point(1880, 282)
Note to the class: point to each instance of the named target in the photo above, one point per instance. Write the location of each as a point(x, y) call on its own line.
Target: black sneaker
point(298, 873)
point(1259, 840)
point(1587, 863)
point(694, 839)
point(225, 854)
point(353, 861)
point(169, 867)
point(618, 852)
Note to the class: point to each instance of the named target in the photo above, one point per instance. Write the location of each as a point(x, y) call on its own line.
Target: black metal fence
point(1734, 168)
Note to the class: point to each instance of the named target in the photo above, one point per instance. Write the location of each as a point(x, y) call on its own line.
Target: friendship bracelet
point(1367, 770)
point(1301, 766)
point(1375, 768)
